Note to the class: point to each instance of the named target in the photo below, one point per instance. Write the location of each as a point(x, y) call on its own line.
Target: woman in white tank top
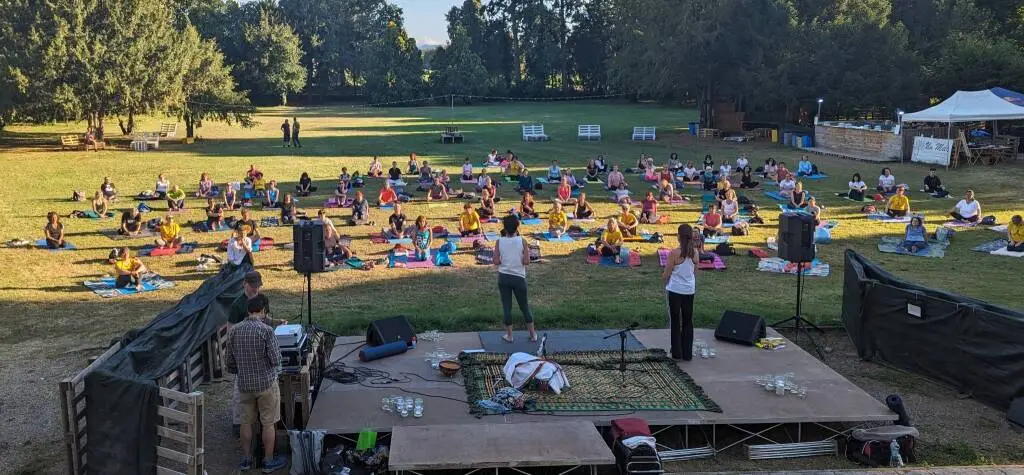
point(680, 287)
point(512, 255)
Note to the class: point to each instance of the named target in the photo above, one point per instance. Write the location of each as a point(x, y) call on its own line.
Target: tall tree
point(590, 45)
point(457, 69)
point(273, 66)
point(394, 66)
point(208, 89)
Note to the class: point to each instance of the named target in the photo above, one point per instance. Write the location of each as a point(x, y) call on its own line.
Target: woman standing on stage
point(680, 287)
point(512, 255)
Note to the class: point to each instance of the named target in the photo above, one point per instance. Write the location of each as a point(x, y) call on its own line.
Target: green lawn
point(45, 289)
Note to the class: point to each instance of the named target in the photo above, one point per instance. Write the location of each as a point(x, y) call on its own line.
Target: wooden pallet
point(297, 388)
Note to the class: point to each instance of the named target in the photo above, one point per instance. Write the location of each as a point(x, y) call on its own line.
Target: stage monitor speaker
point(1016, 412)
point(310, 250)
point(796, 237)
point(742, 328)
point(387, 330)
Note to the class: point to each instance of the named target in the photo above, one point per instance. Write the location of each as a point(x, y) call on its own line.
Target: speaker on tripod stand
point(796, 244)
point(310, 248)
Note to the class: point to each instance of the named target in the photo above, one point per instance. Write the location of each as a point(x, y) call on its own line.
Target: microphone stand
point(622, 349)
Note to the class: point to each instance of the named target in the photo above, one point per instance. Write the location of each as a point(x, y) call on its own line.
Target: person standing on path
point(253, 356)
point(680, 287)
point(295, 132)
point(286, 130)
point(512, 255)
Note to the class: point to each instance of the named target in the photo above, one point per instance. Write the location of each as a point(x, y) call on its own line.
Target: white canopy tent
point(972, 106)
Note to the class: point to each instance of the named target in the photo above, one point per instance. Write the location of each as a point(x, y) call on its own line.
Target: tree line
point(213, 59)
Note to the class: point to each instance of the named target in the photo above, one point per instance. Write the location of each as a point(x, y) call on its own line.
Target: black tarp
point(971, 345)
point(121, 394)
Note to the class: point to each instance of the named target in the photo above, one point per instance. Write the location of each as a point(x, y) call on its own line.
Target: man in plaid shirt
point(253, 356)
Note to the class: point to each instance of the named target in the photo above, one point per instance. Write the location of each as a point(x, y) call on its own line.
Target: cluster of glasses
point(403, 406)
point(702, 350)
point(781, 384)
point(432, 335)
point(437, 356)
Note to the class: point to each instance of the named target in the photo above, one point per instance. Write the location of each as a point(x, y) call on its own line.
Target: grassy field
point(54, 319)
point(565, 292)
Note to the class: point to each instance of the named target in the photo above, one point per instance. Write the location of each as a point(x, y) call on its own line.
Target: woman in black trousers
point(680, 287)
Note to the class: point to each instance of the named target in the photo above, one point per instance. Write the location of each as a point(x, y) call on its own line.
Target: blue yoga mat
point(820, 176)
point(716, 239)
point(105, 287)
point(400, 241)
point(548, 237)
point(532, 221)
point(775, 195)
point(787, 209)
point(41, 244)
point(559, 341)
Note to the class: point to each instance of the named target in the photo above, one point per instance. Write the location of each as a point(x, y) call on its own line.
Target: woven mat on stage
point(652, 382)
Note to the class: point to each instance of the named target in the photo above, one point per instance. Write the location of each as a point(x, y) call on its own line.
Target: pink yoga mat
point(716, 264)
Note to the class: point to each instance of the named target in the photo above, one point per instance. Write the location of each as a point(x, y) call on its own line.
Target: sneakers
point(246, 464)
point(274, 464)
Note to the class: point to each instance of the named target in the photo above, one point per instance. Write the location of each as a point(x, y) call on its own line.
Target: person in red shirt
point(564, 193)
point(712, 221)
point(649, 210)
point(387, 195)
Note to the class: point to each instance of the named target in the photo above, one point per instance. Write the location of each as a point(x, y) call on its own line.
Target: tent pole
point(949, 131)
point(901, 138)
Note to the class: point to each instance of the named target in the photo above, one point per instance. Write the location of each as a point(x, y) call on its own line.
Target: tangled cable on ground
point(343, 373)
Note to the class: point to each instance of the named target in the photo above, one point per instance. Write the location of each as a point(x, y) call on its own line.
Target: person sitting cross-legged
point(175, 199)
point(170, 233)
point(128, 270)
point(558, 221)
point(396, 224)
point(898, 205)
point(1015, 234)
point(628, 221)
point(967, 210)
point(469, 221)
point(611, 241)
point(914, 239)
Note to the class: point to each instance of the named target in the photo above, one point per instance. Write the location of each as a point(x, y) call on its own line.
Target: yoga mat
point(202, 227)
point(991, 246)
point(92, 215)
point(104, 287)
point(411, 263)
point(402, 241)
point(378, 238)
point(717, 239)
point(387, 206)
point(1002, 228)
point(884, 218)
point(151, 250)
point(114, 235)
point(741, 219)
point(778, 265)
point(787, 209)
point(893, 245)
point(609, 261)
point(531, 221)
point(467, 240)
point(558, 341)
point(820, 176)
point(775, 195)
point(716, 264)
point(847, 198)
point(41, 244)
point(959, 224)
point(1003, 252)
point(830, 224)
point(467, 182)
point(546, 235)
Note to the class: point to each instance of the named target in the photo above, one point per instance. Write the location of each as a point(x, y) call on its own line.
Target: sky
point(424, 19)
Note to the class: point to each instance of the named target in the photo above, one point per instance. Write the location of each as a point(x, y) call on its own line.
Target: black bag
point(988, 220)
point(656, 238)
point(725, 249)
point(77, 196)
point(876, 453)
point(538, 186)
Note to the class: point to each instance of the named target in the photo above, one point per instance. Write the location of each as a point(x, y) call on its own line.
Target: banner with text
point(931, 150)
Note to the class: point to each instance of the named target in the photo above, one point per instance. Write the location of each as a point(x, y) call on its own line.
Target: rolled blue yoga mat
point(382, 351)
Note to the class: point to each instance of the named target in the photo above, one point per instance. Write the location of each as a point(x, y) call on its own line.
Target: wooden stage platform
point(727, 379)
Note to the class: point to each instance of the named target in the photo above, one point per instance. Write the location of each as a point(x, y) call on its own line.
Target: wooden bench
point(471, 447)
point(451, 134)
point(146, 141)
point(644, 133)
point(534, 132)
point(168, 130)
point(588, 132)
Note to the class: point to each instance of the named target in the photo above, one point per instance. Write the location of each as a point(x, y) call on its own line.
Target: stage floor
point(727, 379)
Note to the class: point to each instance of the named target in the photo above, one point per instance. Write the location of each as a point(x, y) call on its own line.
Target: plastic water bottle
point(895, 459)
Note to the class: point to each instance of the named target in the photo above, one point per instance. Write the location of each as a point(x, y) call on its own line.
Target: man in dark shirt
point(394, 173)
point(251, 287)
point(246, 220)
point(397, 223)
point(252, 355)
point(933, 185)
point(295, 133)
point(286, 130)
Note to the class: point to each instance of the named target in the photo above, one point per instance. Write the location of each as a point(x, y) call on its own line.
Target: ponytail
point(686, 242)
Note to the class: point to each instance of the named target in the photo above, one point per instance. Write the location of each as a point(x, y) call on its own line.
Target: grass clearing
point(566, 292)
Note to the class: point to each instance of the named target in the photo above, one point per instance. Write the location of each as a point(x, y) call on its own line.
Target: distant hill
point(428, 47)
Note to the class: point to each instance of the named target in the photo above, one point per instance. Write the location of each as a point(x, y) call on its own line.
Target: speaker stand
point(801, 325)
point(309, 298)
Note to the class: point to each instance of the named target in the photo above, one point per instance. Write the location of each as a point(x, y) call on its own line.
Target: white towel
point(521, 366)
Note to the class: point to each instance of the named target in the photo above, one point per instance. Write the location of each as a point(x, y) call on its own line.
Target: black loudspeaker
point(310, 252)
point(742, 328)
point(1016, 412)
point(387, 330)
point(796, 237)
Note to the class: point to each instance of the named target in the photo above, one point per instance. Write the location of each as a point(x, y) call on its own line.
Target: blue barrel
point(787, 138)
point(693, 128)
point(794, 141)
point(808, 141)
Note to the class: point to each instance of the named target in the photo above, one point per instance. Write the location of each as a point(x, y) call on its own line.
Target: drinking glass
point(418, 408)
point(802, 392)
point(704, 352)
point(712, 353)
point(398, 401)
point(385, 404)
point(403, 411)
point(780, 390)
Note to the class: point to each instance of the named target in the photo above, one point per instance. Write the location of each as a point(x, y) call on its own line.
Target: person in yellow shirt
point(611, 240)
point(558, 222)
point(899, 204)
point(170, 233)
point(469, 221)
point(128, 270)
point(628, 221)
point(1015, 234)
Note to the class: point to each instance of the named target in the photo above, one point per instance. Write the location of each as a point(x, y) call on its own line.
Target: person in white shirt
point(742, 162)
point(967, 210)
point(786, 187)
point(492, 158)
point(886, 181)
point(680, 287)
point(240, 248)
point(725, 170)
point(602, 167)
point(674, 164)
point(512, 255)
point(162, 186)
point(690, 172)
point(857, 188)
point(467, 170)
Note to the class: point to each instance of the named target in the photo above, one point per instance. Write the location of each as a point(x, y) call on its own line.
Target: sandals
point(506, 339)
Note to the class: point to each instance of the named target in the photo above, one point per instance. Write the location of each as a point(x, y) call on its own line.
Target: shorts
point(264, 407)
